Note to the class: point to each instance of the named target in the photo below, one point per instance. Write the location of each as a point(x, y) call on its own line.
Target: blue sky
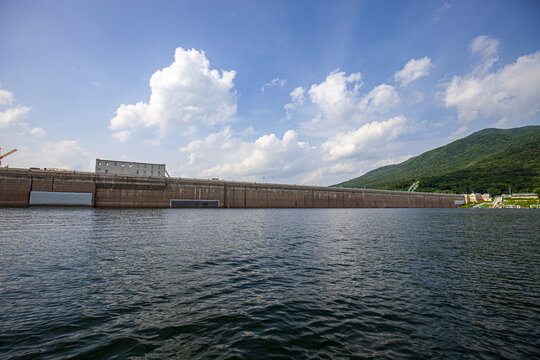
point(311, 92)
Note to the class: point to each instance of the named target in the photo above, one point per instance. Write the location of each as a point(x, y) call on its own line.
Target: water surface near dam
point(269, 283)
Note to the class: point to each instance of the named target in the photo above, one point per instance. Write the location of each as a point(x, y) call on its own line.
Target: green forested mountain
point(490, 160)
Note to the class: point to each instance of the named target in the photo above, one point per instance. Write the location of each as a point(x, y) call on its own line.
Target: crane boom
point(8, 153)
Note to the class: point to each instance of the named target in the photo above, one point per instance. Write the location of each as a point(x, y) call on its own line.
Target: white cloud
point(488, 49)
point(365, 138)
point(380, 99)
point(16, 115)
point(510, 95)
point(13, 116)
point(298, 95)
point(413, 70)
point(334, 96)
point(339, 170)
point(340, 105)
point(64, 154)
point(315, 176)
point(345, 169)
point(225, 156)
point(298, 98)
point(37, 132)
point(6, 97)
point(122, 136)
point(274, 82)
point(185, 92)
point(332, 173)
point(248, 131)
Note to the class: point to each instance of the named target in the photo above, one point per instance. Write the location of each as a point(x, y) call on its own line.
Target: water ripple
point(258, 284)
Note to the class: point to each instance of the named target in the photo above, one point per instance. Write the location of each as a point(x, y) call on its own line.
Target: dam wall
point(17, 185)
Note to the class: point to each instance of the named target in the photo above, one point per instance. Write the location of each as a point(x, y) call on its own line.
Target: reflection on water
point(269, 283)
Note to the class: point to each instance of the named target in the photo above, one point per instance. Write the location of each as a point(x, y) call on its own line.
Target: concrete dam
point(27, 187)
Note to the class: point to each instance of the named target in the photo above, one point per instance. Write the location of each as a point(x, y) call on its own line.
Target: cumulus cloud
point(347, 144)
point(64, 154)
point(340, 105)
point(380, 99)
point(12, 116)
point(226, 156)
point(16, 115)
point(298, 97)
point(349, 154)
point(274, 82)
point(6, 97)
point(510, 95)
point(413, 70)
point(186, 92)
point(334, 95)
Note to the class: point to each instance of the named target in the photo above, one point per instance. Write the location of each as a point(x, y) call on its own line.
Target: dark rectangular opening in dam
point(194, 203)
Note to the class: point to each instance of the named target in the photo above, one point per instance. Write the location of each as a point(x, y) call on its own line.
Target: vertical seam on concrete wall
point(94, 194)
point(30, 191)
point(225, 195)
point(245, 196)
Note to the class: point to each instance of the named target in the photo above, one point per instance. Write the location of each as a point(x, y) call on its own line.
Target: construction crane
point(6, 154)
point(414, 186)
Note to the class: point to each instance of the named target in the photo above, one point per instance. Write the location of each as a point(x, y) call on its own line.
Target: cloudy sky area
point(307, 92)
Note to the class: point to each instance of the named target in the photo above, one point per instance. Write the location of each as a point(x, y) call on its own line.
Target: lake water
point(269, 283)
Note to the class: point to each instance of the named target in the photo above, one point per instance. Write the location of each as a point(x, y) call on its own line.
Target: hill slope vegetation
point(490, 160)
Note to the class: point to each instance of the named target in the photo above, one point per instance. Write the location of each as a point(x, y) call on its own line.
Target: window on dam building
point(128, 168)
